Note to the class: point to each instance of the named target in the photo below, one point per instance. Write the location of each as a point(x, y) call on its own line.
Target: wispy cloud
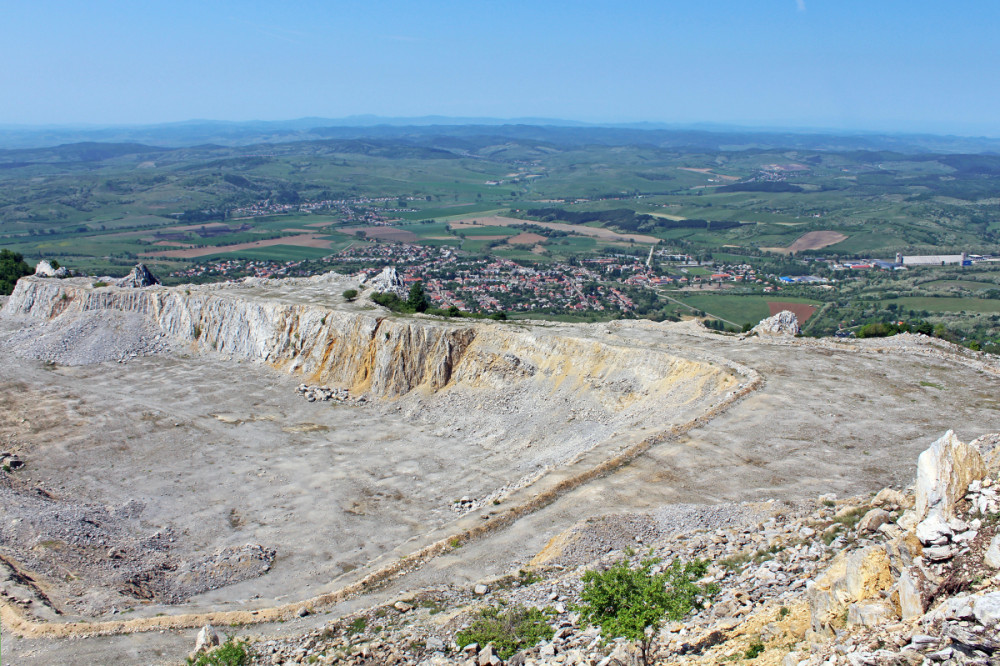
point(801, 4)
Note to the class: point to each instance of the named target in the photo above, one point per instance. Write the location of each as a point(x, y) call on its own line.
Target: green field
point(487, 231)
point(945, 304)
point(738, 309)
point(449, 211)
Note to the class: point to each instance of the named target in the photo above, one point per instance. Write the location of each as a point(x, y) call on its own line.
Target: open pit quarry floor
point(210, 453)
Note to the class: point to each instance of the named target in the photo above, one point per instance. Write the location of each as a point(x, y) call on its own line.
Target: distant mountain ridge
point(422, 130)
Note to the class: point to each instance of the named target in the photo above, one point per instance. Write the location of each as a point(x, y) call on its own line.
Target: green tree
point(350, 294)
point(12, 268)
point(632, 603)
point(417, 298)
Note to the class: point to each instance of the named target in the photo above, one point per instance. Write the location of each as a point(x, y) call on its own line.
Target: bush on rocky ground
point(231, 653)
point(508, 630)
point(632, 603)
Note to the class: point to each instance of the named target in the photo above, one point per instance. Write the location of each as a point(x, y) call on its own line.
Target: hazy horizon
point(370, 120)
point(797, 65)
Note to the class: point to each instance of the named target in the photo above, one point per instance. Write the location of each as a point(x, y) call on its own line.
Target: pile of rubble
point(85, 338)
point(327, 394)
point(901, 577)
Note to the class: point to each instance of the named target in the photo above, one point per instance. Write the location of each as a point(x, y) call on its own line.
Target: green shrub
point(851, 518)
point(230, 653)
point(632, 603)
point(12, 268)
point(509, 630)
point(357, 626)
point(754, 650)
point(393, 302)
point(417, 298)
point(350, 294)
point(99, 284)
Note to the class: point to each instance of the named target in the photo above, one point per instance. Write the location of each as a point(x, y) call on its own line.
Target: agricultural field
point(738, 309)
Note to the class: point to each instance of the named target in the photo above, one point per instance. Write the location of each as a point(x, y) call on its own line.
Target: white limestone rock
point(208, 638)
point(911, 602)
point(934, 531)
point(388, 281)
point(783, 323)
point(139, 277)
point(987, 609)
point(944, 472)
point(992, 557)
point(44, 269)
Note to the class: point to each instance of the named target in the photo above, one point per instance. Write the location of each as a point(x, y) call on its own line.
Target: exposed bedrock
point(384, 356)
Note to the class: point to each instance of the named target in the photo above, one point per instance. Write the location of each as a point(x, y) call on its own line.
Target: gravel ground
point(87, 337)
point(597, 536)
point(111, 545)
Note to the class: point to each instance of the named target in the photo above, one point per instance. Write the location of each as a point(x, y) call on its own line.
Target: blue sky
point(900, 65)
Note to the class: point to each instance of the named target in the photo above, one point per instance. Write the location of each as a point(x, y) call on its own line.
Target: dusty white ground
point(221, 454)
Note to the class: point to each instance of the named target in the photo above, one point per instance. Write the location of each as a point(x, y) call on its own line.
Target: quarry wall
point(382, 355)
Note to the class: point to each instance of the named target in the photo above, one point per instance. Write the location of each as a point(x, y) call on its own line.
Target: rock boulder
point(944, 472)
point(44, 269)
point(783, 323)
point(207, 639)
point(139, 277)
point(854, 577)
point(388, 281)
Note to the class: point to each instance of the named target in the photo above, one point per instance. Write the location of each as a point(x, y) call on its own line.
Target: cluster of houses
point(490, 285)
point(369, 210)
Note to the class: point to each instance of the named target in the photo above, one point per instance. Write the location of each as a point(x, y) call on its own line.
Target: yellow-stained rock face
point(860, 576)
point(387, 356)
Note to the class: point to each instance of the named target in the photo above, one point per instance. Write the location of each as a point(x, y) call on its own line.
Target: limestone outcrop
point(138, 278)
point(45, 269)
point(387, 282)
point(851, 579)
point(783, 323)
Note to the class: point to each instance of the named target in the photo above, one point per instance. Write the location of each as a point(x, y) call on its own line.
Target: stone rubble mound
point(388, 281)
point(783, 323)
point(902, 577)
point(85, 338)
point(327, 394)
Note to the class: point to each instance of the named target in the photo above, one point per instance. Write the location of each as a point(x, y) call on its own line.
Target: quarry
point(270, 456)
